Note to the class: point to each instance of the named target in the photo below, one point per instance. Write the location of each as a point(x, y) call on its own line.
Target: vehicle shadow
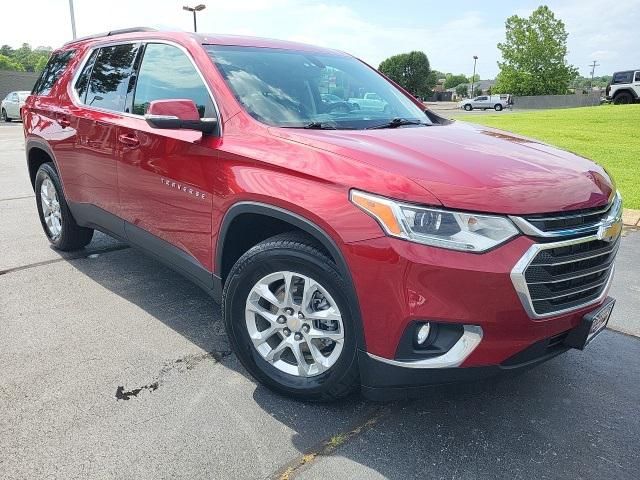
point(563, 418)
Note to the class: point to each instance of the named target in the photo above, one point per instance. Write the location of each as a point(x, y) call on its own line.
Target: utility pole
point(195, 9)
point(473, 79)
point(73, 19)
point(593, 71)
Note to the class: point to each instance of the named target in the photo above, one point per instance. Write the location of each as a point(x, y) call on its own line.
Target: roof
point(205, 39)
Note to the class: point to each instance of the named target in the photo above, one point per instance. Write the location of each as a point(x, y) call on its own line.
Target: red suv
point(351, 243)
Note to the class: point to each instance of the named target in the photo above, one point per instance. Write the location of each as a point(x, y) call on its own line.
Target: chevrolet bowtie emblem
point(609, 231)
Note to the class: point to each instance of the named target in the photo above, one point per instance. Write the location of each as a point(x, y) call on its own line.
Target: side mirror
point(179, 114)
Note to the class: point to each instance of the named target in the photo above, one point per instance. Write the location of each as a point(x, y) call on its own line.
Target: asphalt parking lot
point(114, 366)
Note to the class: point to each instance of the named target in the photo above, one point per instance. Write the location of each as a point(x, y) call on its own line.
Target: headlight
point(469, 232)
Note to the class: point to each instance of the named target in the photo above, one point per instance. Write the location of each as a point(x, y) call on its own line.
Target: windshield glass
point(288, 88)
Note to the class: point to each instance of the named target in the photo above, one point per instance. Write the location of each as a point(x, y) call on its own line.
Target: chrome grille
point(566, 277)
point(565, 224)
point(560, 276)
point(588, 218)
point(554, 278)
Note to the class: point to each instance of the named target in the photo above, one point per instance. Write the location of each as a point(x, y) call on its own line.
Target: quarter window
point(637, 77)
point(622, 77)
point(82, 84)
point(52, 71)
point(167, 73)
point(109, 83)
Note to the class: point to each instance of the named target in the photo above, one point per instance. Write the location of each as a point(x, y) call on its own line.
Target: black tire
point(71, 236)
point(4, 116)
point(498, 107)
point(295, 252)
point(623, 98)
point(468, 107)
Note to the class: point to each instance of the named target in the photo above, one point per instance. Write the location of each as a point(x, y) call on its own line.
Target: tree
point(462, 90)
point(454, 80)
point(8, 63)
point(411, 71)
point(534, 56)
point(24, 57)
point(42, 62)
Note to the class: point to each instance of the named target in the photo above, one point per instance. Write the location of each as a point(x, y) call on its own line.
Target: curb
point(631, 218)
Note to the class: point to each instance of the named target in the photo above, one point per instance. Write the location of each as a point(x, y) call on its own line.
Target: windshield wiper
point(319, 126)
point(397, 122)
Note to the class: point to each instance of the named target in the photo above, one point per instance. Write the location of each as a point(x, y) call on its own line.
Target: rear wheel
point(497, 107)
point(4, 116)
point(468, 107)
point(623, 98)
point(288, 319)
point(58, 224)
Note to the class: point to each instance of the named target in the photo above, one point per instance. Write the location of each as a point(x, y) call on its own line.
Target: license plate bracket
point(591, 325)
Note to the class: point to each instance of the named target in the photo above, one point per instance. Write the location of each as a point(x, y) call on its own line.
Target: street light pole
point(473, 79)
point(195, 9)
point(73, 19)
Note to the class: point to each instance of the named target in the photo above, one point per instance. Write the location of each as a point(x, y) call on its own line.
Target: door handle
point(128, 140)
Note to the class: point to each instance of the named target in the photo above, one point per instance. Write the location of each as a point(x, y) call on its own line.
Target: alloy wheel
point(51, 208)
point(294, 324)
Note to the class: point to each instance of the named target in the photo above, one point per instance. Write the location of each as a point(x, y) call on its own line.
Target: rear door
point(636, 83)
point(165, 176)
point(101, 89)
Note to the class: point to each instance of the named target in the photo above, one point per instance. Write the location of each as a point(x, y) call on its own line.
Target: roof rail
point(112, 32)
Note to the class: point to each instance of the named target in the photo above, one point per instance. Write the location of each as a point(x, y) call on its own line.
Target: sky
point(450, 33)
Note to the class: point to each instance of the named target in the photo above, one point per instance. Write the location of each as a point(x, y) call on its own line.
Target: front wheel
point(56, 219)
point(498, 107)
point(468, 107)
point(288, 319)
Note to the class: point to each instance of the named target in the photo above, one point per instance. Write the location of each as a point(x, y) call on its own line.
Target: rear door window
point(167, 73)
point(637, 77)
point(109, 83)
point(52, 71)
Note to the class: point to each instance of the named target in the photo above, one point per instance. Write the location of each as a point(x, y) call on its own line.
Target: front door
point(165, 176)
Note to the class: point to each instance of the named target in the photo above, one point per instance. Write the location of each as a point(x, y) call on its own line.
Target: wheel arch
point(229, 232)
point(38, 152)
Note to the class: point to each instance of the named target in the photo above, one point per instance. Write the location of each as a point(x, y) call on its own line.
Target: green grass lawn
point(608, 134)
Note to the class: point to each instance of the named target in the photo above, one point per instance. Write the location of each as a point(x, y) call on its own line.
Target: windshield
point(298, 89)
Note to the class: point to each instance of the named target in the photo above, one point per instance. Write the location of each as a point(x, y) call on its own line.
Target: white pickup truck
point(370, 101)
point(484, 102)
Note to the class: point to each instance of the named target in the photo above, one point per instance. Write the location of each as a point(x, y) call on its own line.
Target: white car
point(495, 102)
point(12, 105)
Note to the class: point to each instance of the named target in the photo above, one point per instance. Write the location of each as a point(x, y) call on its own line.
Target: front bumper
point(399, 283)
point(382, 381)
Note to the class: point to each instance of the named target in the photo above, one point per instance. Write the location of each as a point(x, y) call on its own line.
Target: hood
point(473, 168)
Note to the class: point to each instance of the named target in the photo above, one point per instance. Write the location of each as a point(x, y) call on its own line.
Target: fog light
point(423, 333)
